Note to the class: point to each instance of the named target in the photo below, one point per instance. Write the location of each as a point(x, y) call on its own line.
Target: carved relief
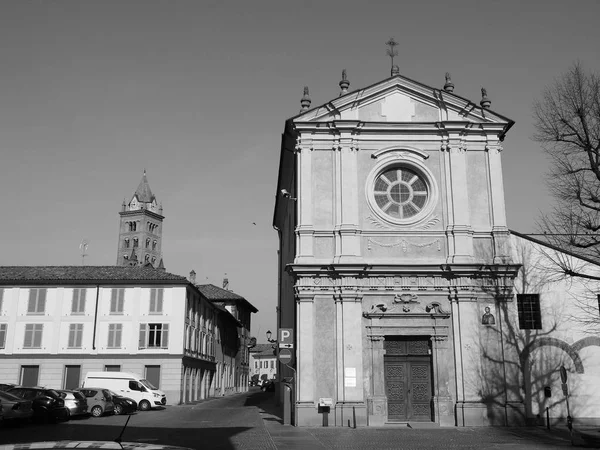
point(404, 244)
point(424, 226)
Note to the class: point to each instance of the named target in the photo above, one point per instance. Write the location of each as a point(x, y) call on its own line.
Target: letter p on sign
point(286, 336)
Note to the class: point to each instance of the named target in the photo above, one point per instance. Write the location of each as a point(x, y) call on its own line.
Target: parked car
point(130, 385)
point(6, 386)
point(15, 408)
point(46, 403)
point(268, 386)
point(99, 401)
point(75, 402)
point(123, 405)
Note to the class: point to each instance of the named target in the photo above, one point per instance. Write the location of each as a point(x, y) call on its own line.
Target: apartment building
point(59, 322)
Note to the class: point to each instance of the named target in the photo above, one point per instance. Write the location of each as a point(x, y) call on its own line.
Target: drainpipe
point(95, 317)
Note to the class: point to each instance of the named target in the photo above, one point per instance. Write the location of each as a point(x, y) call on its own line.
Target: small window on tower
point(135, 242)
point(147, 242)
point(154, 245)
point(126, 242)
point(125, 256)
point(147, 258)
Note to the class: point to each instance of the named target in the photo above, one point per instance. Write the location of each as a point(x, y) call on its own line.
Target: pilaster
point(377, 402)
point(347, 193)
point(305, 347)
point(500, 231)
point(305, 228)
point(459, 231)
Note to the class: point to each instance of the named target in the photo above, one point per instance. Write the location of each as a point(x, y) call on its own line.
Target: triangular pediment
point(399, 99)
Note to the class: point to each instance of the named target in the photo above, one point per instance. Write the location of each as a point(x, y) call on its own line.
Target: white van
point(128, 385)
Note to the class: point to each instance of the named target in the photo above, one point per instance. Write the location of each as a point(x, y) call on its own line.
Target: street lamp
point(272, 341)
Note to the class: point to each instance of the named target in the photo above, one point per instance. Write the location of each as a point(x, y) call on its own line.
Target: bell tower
point(140, 229)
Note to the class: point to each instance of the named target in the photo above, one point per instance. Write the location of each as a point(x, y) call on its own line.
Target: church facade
point(395, 261)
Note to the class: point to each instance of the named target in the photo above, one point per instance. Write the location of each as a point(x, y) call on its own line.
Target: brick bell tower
point(140, 229)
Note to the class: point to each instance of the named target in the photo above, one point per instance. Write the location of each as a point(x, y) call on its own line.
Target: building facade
point(140, 229)
point(553, 322)
point(242, 310)
point(58, 323)
point(393, 245)
point(263, 362)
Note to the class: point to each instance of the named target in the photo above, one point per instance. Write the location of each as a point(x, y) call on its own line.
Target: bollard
point(547, 418)
point(287, 404)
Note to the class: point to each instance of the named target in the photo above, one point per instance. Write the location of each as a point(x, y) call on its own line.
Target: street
point(247, 421)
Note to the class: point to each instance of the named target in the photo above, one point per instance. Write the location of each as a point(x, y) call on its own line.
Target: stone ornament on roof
point(305, 101)
point(449, 85)
point(344, 83)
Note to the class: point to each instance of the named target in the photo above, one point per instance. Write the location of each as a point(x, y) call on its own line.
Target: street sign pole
point(565, 388)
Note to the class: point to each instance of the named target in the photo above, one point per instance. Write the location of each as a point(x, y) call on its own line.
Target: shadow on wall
point(519, 365)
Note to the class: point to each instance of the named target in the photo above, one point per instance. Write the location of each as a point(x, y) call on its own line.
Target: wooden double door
point(408, 387)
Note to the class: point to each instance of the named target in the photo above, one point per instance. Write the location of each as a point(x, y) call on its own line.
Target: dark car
point(268, 386)
point(15, 408)
point(123, 405)
point(46, 403)
point(75, 402)
point(6, 386)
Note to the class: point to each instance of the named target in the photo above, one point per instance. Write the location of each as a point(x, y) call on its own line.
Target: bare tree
point(567, 123)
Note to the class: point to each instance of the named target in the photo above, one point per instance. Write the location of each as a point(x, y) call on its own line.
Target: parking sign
point(286, 338)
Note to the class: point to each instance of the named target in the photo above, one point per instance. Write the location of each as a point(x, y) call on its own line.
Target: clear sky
point(196, 92)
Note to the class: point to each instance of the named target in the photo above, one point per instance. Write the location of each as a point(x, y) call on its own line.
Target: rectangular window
point(154, 335)
point(272, 364)
point(530, 317)
point(75, 335)
point(156, 301)
point(78, 304)
point(112, 368)
point(33, 335)
point(153, 375)
point(115, 331)
point(3, 327)
point(37, 301)
point(72, 377)
point(30, 375)
point(256, 364)
point(117, 301)
point(598, 303)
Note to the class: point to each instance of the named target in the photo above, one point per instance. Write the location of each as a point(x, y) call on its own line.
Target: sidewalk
point(291, 438)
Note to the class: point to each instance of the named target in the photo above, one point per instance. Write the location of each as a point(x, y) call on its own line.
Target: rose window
point(400, 192)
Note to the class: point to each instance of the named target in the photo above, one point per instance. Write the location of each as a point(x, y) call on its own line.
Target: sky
point(197, 92)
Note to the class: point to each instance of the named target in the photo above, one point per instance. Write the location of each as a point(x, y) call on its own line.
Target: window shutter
point(152, 300)
point(159, 300)
point(121, 299)
point(41, 300)
point(82, 295)
point(75, 302)
point(28, 340)
point(165, 336)
point(78, 334)
point(32, 300)
point(2, 335)
point(37, 335)
point(71, 343)
point(142, 343)
point(118, 334)
point(113, 300)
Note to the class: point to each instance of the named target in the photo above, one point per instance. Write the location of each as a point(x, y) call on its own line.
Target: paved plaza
point(251, 421)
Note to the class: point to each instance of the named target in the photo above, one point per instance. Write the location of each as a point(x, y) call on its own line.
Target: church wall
point(569, 337)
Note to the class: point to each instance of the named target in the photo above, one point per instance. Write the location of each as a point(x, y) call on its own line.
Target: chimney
point(226, 283)
point(193, 277)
